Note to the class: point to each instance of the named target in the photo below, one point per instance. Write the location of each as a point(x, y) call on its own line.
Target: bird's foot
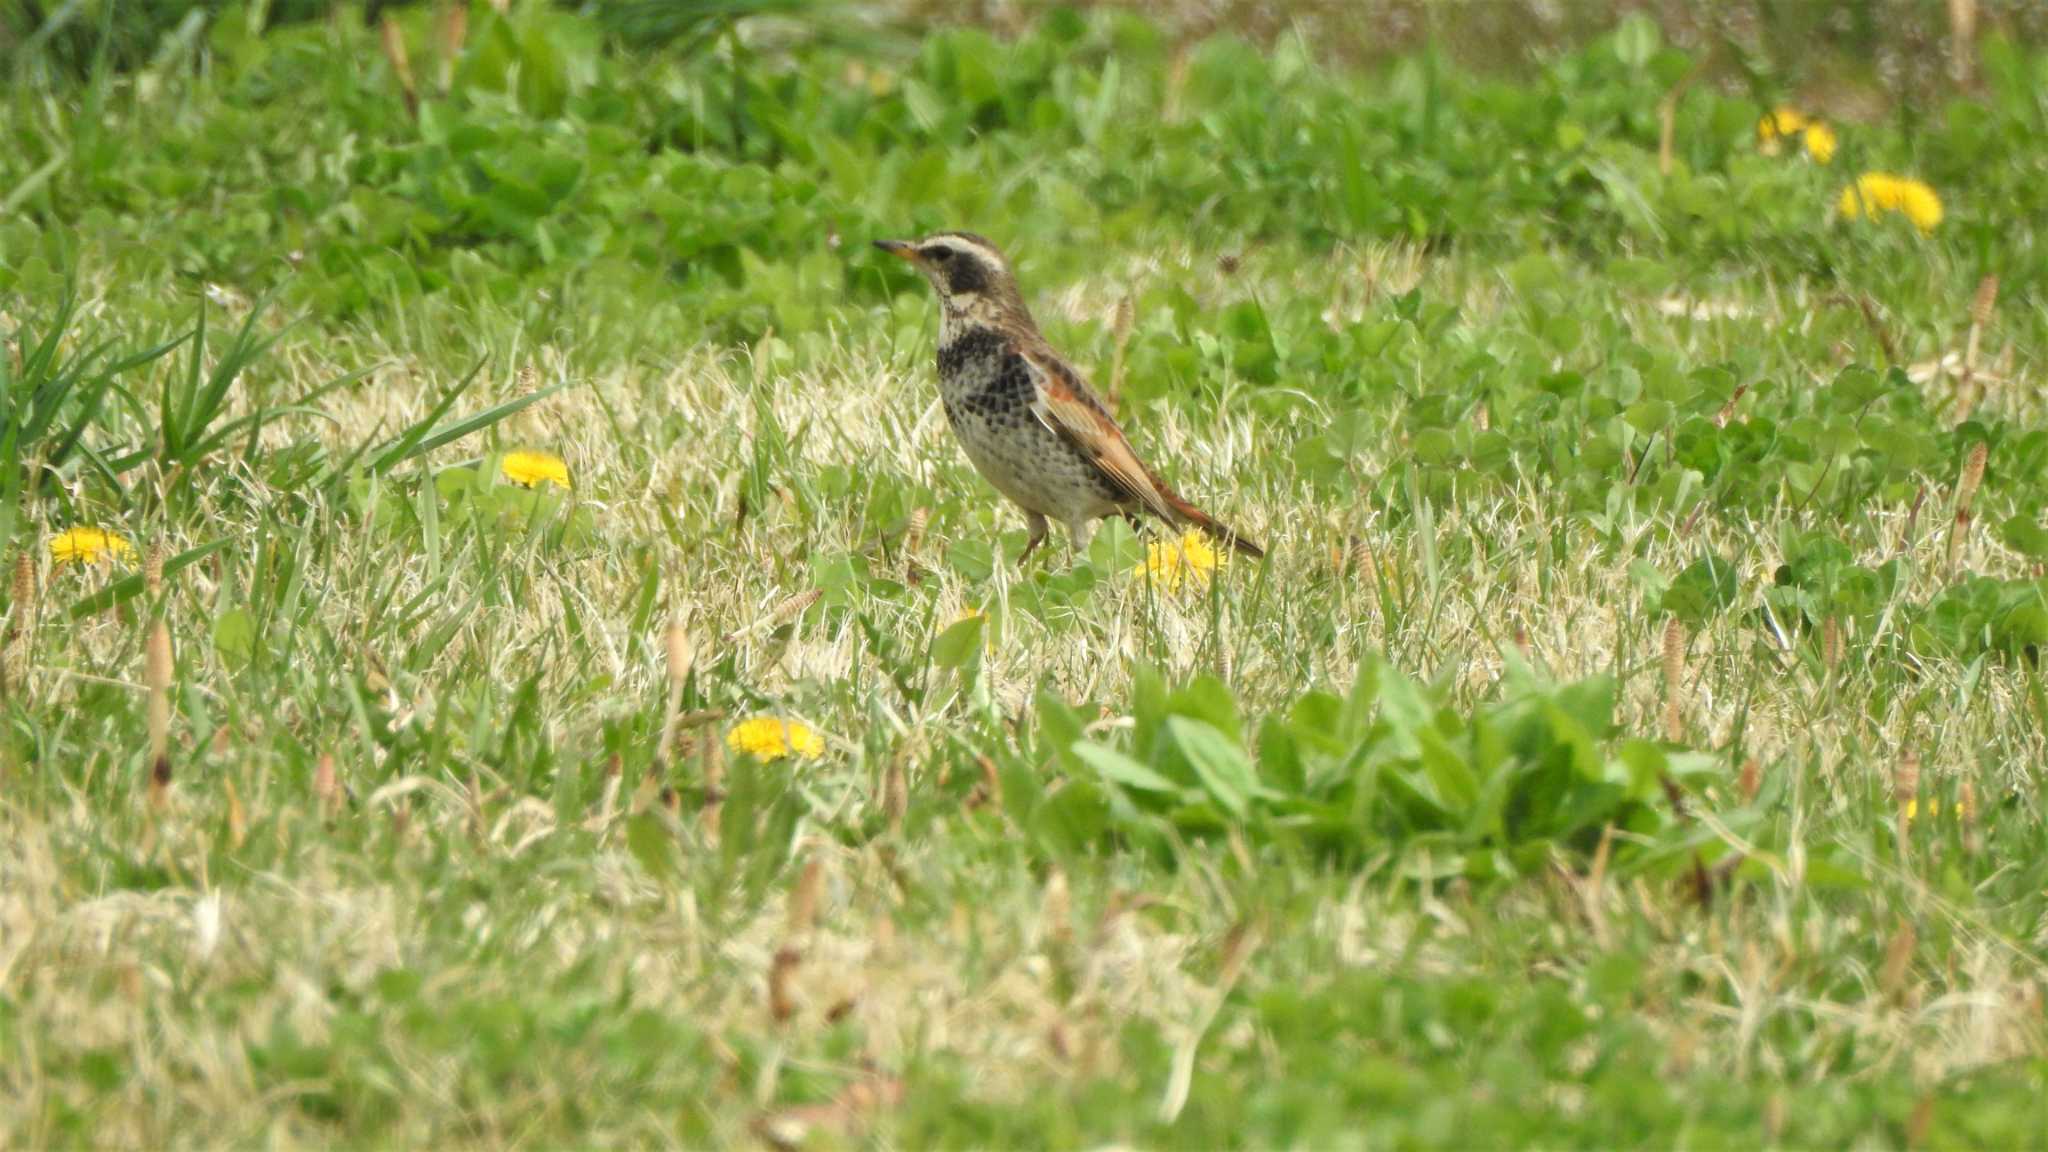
point(1037, 526)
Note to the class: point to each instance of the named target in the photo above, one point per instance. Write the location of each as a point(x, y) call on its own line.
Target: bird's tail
point(1189, 514)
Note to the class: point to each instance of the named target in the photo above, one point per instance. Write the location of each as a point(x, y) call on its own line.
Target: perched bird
point(1028, 421)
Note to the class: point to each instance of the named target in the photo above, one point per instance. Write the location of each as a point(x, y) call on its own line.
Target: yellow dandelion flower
point(1170, 563)
point(1820, 143)
point(1911, 808)
point(772, 738)
point(532, 469)
point(1876, 193)
point(88, 546)
point(1778, 124)
point(1783, 124)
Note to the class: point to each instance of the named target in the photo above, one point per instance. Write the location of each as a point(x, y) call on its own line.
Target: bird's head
point(969, 273)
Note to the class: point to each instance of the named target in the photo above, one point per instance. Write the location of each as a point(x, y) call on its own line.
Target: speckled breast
point(988, 392)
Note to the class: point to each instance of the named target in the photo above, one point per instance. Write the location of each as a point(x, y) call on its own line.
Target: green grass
point(1399, 838)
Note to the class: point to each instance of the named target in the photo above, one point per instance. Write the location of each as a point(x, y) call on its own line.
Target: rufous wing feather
point(1187, 513)
point(1063, 406)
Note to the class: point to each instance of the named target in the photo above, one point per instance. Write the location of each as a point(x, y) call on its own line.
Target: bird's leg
point(1036, 523)
point(1079, 531)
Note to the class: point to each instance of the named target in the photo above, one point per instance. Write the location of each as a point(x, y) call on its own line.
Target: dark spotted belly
point(988, 393)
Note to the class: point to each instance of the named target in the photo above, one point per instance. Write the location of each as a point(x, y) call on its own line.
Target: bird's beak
point(898, 248)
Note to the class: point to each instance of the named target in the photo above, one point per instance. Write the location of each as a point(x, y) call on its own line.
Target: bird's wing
point(1063, 403)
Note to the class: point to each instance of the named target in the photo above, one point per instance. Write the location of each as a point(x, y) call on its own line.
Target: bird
point(1026, 419)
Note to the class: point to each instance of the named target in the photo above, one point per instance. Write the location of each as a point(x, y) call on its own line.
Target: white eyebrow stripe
point(961, 244)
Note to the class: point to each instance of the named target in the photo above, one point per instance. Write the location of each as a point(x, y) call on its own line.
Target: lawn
point(502, 647)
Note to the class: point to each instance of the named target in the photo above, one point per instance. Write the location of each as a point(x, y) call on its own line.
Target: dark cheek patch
point(965, 275)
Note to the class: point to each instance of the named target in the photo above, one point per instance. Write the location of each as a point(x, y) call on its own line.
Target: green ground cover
point(1635, 736)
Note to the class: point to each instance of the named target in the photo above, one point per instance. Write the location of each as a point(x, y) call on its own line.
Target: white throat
point(956, 315)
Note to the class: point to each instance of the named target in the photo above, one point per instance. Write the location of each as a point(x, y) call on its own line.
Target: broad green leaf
point(1636, 40)
point(651, 843)
point(1457, 786)
point(1705, 589)
point(1072, 818)
point(1211, 701)
point(959, 644)
point(1115, 547)
point(2023, 532)
point(1404, 707)
point(972, 560)
point(234, 635)
point(1222, 767)
point(1059, 726)
point(1123, 771)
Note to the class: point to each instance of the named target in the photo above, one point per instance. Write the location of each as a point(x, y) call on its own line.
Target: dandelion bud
point(1362, 562)
point(1973, 475)
point(896, 793)
point(401, 65)
point(991, 786)
point(1986, 300)
point(782, 983)
point(1674, 672)
point(157, 658)
point(1966, 493)
point(1898, 958)
point(680, 654)
point(326, 784)
point(454, 30)
point(157, 679)
point(789, 609)
point(1056, 914)
point(1906, 778)
point(913, 537)
point(793, 607)
point(803, 899)
point(24, 581)
point(21, 622)
point(237, 818)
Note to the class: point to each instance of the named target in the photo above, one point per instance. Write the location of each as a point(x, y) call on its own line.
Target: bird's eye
point(941, 255)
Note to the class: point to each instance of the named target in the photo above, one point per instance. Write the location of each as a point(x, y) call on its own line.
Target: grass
point(1634, 738)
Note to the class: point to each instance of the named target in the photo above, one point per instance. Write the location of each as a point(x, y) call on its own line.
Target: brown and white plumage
point(1025, 417)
